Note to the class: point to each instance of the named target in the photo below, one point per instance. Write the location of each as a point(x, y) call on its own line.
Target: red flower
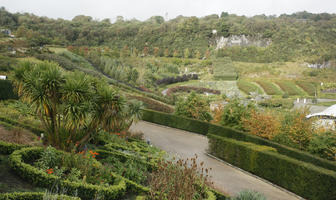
point(50, 171)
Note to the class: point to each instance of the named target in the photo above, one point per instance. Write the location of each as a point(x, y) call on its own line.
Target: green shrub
point(7, 148)
point(277, 103)
point(33, 196)
point(40, 178)
point(324, 145)
point(174, 121)
point(7, 90)
point(302, 178)
point(285, 150)
point(249, 195)
point(208, 128)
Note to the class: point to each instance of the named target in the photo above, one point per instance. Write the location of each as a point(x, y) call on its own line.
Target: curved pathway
point(226, 178)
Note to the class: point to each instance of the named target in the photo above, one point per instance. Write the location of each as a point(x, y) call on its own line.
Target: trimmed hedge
point(33, 196)
point(175, 121)
point(205, 128)
point(7, 148)
point(6, 90)
point(285, 150)
point(42, 179)
point(304, 179)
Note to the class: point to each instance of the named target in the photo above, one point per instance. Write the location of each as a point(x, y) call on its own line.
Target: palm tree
point(72, 106)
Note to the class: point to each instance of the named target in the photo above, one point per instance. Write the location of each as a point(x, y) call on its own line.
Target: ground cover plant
point(308, 87)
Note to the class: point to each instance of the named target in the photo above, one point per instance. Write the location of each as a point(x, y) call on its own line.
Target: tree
point(194, 106)
point(197, 54)
point(176, 54)
point(156, 51)
point(72, 106)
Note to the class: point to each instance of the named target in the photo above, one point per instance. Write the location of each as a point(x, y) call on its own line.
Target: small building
point(326, 118)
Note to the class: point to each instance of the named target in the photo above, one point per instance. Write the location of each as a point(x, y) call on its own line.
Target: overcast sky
point(143, 9)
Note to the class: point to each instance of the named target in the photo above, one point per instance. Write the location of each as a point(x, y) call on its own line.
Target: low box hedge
point(204, 128)
point(42, 179)
point(175, 121)
point(33, 196)
point(304, 179)
point(7, 148)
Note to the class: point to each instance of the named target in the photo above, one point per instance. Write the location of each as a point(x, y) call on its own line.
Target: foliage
point(263, 124)
point(6, 90)
point(72, 107)
point(277, 103)
point(34, 196)
point(191, 88)
point(194, 106)
point(324, 145)
point(302, 178)
point(183, 78)
point(181, 180)
point(249, 195)
point(234, 112)
point(297, 128)
point(43, 179)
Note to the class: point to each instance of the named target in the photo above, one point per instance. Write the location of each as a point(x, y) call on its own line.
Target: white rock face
point(320, 66)
point(241, 40)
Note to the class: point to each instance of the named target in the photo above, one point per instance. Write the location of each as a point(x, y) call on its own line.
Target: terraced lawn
point(248, 87)
point(290, 88)
point(269, 87)
point(308, 87)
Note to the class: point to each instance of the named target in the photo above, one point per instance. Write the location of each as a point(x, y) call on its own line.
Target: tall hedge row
point(205, 128)
point(304, 179)
point(175, 121)
point(6, 90)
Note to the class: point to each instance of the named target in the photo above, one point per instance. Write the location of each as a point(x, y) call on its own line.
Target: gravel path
point(226, 178)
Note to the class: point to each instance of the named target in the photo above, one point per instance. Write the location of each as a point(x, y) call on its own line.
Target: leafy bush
point(234, 112)
point(34, 196)
point(249, 195)
point(324, 145)
point(7, 90)
point(181, 180)
point(263, 124)
point(194, 106)
point(277, 103)
point(304, 179)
